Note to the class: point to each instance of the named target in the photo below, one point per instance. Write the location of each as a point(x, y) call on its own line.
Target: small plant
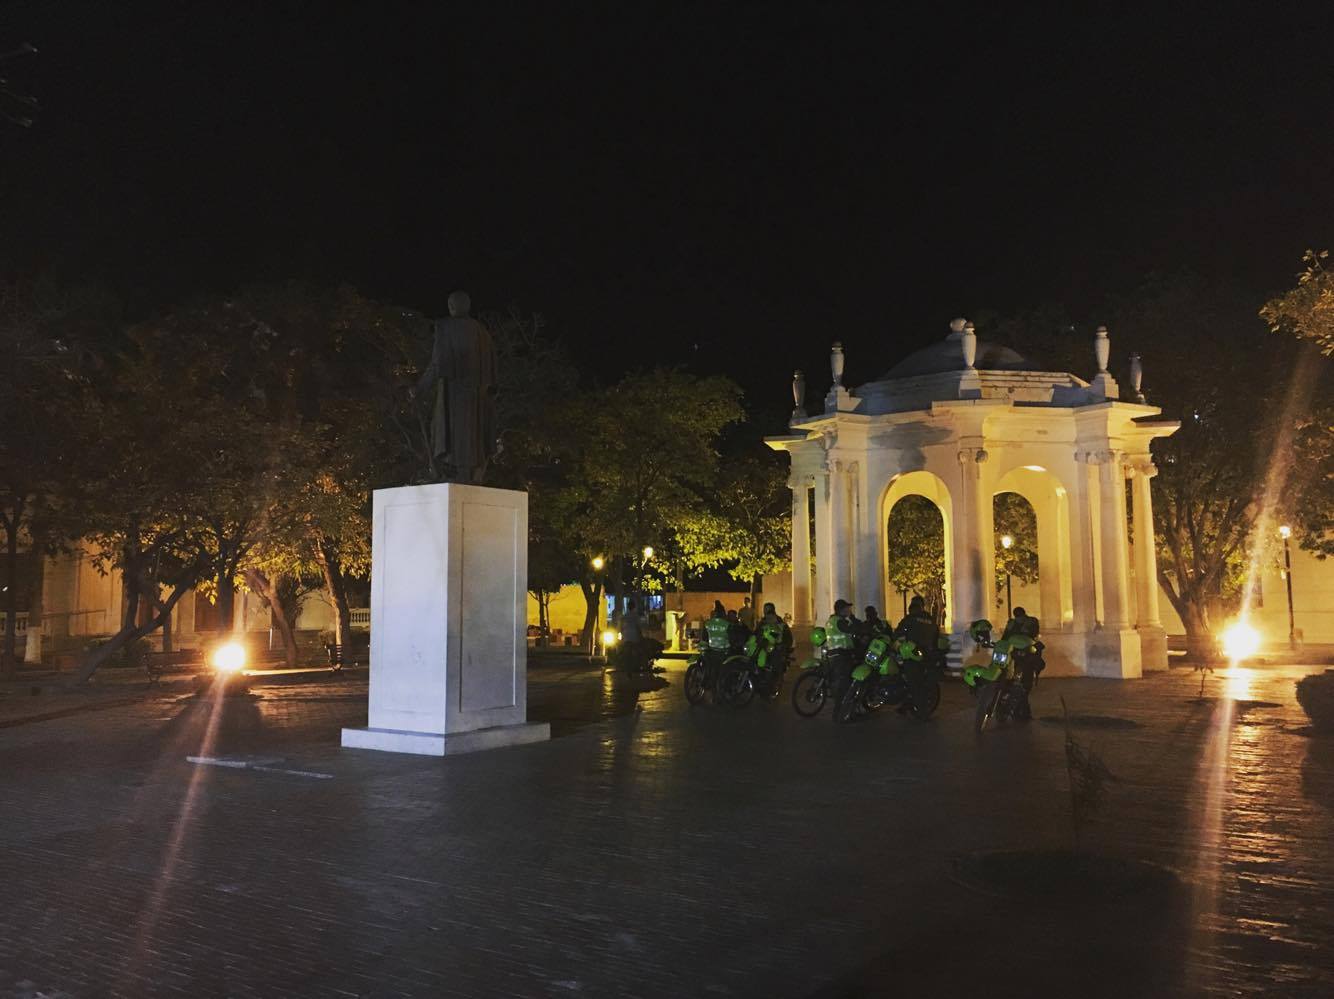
point(1315, 694)
point(1088, 777)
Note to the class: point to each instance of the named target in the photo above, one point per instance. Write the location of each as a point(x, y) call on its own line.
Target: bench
point(157, 663)
point(344, 655)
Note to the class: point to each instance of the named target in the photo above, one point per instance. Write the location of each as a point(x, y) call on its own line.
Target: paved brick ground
point(652, 850)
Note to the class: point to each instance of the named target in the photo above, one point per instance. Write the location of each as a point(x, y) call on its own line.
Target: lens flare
point(1240, 641)
point(229, 658)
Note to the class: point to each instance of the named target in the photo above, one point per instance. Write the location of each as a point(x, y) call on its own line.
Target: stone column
point(974, 542)
point(824, 542)
point(801, 549)
point(1113, 649)
point(1146, 555)
point(1115, 540)
point(868, 541)
point(1153, 637)
point(840, 517)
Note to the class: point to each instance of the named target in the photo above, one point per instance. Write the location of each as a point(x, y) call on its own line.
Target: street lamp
point(1285, 532)
point(598, 562)
point(1007, 542)
point(648, 552)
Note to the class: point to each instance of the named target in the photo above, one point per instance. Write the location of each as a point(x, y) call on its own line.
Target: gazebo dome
point(947, 355)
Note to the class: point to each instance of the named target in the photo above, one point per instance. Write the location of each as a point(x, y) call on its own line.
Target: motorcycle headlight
point(1002, 657)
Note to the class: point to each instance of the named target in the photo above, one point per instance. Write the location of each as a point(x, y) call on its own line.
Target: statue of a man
point(462, 373)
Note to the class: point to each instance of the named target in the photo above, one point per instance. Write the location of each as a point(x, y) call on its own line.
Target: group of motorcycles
point(882, 670)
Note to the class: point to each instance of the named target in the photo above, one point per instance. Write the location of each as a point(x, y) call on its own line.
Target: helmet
point(980, 629)
point(817, 637)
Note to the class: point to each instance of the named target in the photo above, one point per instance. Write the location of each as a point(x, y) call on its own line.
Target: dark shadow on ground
point(1318, 771)
point(588, 696)
point(1092, 721)
point(1127, 946)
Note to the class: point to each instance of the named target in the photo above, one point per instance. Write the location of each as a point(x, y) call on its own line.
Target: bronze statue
point(462, 372)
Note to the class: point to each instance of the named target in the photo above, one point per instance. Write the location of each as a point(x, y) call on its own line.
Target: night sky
point(729, 188)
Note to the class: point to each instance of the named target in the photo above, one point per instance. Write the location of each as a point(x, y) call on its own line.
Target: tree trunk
point(226, 600)
point(128, 633)
point(8, 657)
point(1201, 646)
point(267, 591)
point(592, 594)
point(168, 645)
point(336, 586)
point(32, 652)
point(755, 596)
point(618, 582)
point(1193, 609)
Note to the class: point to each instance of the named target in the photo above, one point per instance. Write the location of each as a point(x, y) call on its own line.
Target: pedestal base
point(1114, 653)
point(389, 740)
point(1153, 648)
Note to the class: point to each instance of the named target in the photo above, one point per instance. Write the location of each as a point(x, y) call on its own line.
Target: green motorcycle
point(895, 671)
point(818, 676)
point(757, 669)
point(998, 686)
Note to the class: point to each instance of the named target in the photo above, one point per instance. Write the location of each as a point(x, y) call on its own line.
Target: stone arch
point(930, 487)
point(1051, 503)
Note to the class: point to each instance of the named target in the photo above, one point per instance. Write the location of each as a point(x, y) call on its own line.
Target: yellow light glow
point(1240, 641)
point(598, 562)
point(1239, 683)
point(609, 639)
point(648, 552)
point(1285, 532)
point(229, 658)
point(1007, 542)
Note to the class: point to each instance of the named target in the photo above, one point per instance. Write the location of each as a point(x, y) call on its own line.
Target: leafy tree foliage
point(917, 551)
point(746, 524)
point(1307, 311)
point(1014, 517)
point(48, 338)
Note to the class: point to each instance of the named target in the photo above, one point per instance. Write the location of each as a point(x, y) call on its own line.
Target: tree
point(746, 525)
point(1014, 518)
point(48, 337)
point(1306, 311)
point(917, 551)
point(1232, 466)
point(1235, 465)
point(649, 453)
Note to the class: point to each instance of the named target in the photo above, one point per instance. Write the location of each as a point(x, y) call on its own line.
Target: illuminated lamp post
point(1007, 542)
point(1285, 532)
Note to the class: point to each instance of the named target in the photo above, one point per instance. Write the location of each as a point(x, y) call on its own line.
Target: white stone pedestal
point(1153, 648)
point(449, 653)
point(1115, 653)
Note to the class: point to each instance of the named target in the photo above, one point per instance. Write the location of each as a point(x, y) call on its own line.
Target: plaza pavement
point(654, 850)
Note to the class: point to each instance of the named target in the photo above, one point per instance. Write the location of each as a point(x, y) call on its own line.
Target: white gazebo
point(958, 422)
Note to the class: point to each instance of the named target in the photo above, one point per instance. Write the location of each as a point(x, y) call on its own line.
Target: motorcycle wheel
point(737, 687)
point(986, 704)
point(875, 697)
point(694, 683)
point(925, 697)
point(1019, 707)
point(846, 706)
point(809, 694)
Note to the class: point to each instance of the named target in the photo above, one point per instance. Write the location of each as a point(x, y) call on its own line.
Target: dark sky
point(754, 179)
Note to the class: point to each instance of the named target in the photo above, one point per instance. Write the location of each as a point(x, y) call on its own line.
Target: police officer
point(771, 618)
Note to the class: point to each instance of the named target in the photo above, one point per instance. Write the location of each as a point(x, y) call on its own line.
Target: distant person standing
point(746, 615)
